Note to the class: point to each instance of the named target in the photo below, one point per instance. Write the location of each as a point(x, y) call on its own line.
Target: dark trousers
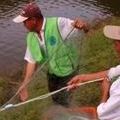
point(54, 83)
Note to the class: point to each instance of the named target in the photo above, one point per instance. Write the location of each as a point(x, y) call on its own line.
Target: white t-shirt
point(65, 27)
point(110, 110)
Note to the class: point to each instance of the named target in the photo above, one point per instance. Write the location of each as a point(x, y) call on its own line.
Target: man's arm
point(109, 109)
point(105, 89)
point(66, 26)
point(86, 77)
point(30, 68)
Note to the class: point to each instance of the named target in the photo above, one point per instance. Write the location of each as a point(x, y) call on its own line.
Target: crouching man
point(109, 108)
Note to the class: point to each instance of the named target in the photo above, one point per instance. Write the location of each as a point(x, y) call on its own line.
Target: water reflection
point(8, 7)
point(112, 6)
point(12, 36)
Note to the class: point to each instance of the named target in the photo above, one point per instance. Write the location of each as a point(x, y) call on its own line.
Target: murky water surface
point(12, 36)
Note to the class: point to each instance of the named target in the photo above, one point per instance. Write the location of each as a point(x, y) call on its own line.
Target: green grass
point(97, 53)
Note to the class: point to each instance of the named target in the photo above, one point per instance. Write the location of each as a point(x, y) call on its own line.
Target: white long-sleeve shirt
point(110, 110)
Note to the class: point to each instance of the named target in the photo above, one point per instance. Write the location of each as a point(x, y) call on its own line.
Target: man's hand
point(23, 94)
point(79, 24)
point(73, 83)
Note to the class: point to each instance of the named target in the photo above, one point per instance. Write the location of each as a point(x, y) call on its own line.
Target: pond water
point(12, 36)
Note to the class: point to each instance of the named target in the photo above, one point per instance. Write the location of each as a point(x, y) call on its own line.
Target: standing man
point(45, 42)
point(109, 108)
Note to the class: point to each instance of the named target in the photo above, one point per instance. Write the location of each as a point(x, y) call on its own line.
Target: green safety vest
point(63, 58)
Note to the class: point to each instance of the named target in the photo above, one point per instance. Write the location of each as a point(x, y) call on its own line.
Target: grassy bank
point(97, 53)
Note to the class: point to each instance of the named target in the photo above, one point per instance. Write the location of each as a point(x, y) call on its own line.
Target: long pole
point(46, 95)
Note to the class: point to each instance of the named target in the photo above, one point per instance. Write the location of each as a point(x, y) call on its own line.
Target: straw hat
point(112, 32)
